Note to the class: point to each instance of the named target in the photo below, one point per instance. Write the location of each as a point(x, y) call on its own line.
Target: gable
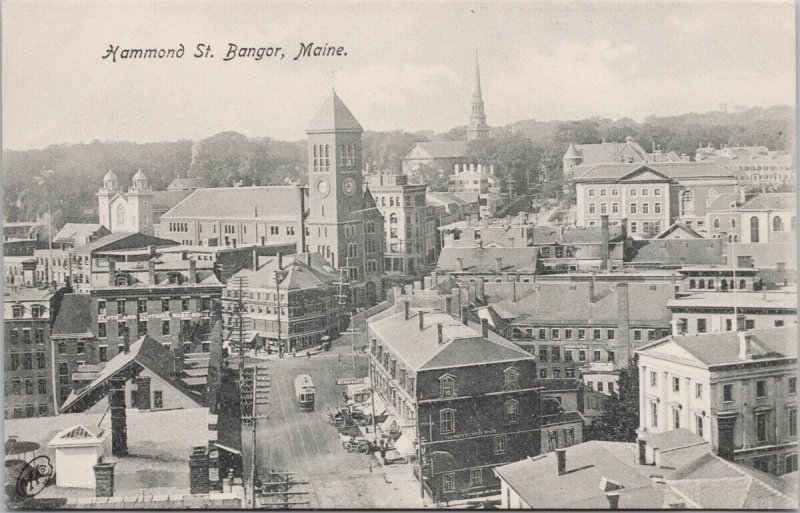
point(417, 152)
point(644, 174)
point(671, 350)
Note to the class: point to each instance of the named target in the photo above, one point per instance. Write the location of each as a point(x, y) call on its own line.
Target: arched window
point(512, 409)
point(120, 215)
point(511, 378)
point(701, 284)
point(692, 284)
point(777, 224)
point(716, 222)
point(733, 222)
point(447, 386)
point(711, 284)
point(742, 284)
point(730, 238)
point(327, 158)
point(687, 201)
point(391, 202)
point(754, 229)
point(393, 218)
point(723, 284)
point(121, 280)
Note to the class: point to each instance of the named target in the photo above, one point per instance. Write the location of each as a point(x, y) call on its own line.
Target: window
point(15, 361)
point(656, 208)
point(40, 363)
point(567, 333)
point(599, 386)
point(500, 444)
point(581, 334)
point(103, 353)
point(101, 330)
point(603, 208)
point(653, 378)
point(581, 355)
point(165, 327)
point(476, 477)
point(542, 334)
point(448, 482)
point(512, 379)
point(792, 385)
point(447, 386)
point(633, 192)
point(158, 399)
point(42, 386)
point(512, 408)
point(656, 192)
point(610, 387)
point(634, 227)
point(543, 354)
point(761, 388)
point(792, 419)
point(101, 307)
point(653, 414)
point(186, 326)
point(120, 307)
point(141, 328)
point(591, 208)
point(184, 305)
point(555, 354)
point(591, 192)
point(676, 418)
point(446, 421)
point(552, 441)
point(637, 334)
point(555, 333)
point(701, 325)
point(633, 208)
point(698, 390)
point(611, 356)
point(596, 334)
point(645, 208)
point(791, 463)
point(165, 305)
point(603, 192)
point(596, 356)
point(727, 393)
point(761, 427)
point(542, 373)
point(81, 347)
point(698, 422)
point(28, 387)
point(676, 384)
point(615, 208)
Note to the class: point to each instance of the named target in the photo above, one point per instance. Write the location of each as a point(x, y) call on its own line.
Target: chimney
point(407, 309)
point(421, 320)
point(480, 244)
point(464, 312)
point(151, 250)
point(623, 316)
point(280, 260)
point(151, 272)
point(479, 288)
point(499, 262)
point(455, 168)
point(448, 304)
point(460, 264)
point(745, 345)
point(561, 454)
point(491, 169)
point(605, 250)
point(255, 260)
point(613, 500)
point(514, 291)
point(642, 451)
point(485, 328)
point(591, 288)
point(119, 435)
point(192, 271)
point(422, 283)
point(440, 333)
point(112, 269)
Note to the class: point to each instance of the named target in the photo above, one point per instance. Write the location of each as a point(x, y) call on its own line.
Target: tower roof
point(139, 175)
point(333, 116)
point(477, 91)
point(109, 176)
point(572, 152)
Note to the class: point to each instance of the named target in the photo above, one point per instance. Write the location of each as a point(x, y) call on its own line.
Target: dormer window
point(17, 311)
point(511, 378)
point(447, 386)
point(121, 280)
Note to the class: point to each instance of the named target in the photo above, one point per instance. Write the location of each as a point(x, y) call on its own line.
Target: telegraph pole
point(280, 274)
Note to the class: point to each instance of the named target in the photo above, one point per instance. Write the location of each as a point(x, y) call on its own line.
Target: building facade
point(737, 390)
point(28, 316)
point(405, 222)
point(708, 312)
point(469, 414)
point(344, 224)
point(130, 211)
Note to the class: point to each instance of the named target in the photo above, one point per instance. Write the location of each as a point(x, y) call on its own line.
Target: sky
point(408, 65)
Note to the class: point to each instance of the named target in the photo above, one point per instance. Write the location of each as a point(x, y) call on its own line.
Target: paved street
point(307, 444)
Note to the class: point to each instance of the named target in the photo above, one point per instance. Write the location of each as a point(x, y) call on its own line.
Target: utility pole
point(254, 392)
point(280, 274)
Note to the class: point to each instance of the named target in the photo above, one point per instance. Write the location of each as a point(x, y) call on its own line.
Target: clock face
point(349, 186)
point(323, 187)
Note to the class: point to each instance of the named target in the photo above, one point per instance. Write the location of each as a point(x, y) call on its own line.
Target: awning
point(389, 425)
point(405, 444)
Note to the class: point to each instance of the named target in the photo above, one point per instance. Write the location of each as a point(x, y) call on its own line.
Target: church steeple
point(478, 128)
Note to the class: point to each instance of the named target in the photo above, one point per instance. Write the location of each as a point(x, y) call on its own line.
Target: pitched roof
point(775, 299)
point(705, 482)
point(590, 234)
point(444, 198)
point(677, 225)
point(442, 149)
point(280, 202)
point(72, 231)
point(165, 200)
point(462, 346)
point(678, 251)
point(535, 304)
point(609, 152)
point(191, 182)
point(572, 152)
point(673, 170)
point(485, 259)
point(333, 115)
point(558, 384)
point(74, 316)
point(299, 274)
point(771, 201)
point(721, 348)
point(723, 202)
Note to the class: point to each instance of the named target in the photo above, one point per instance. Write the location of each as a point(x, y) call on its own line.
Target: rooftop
point(13, 294)
point(75, 315)
point(671, 170)
point(82, 231)
point(722, 348)
point(771, 201)
point(274, 203)
point(333, 115)
point(462, 345)
point(678, 252)
point(442, 149)
point(299, 276)
point(765, 299)
point(486, 259)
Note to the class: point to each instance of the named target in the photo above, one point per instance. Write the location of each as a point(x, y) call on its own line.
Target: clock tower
point(344, 223)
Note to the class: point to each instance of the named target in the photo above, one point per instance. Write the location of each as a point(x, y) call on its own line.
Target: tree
point(620, 421)
point(516, 158)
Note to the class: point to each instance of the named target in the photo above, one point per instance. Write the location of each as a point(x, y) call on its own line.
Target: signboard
point(350, 381)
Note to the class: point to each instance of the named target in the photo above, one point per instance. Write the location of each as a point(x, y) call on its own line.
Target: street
point(305, 443)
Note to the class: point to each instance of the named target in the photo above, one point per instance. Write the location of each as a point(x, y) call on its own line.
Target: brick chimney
point(151, 272)
point(613, 500)
point(104, 480)
point(745, 345)
point(448, 304)
point(514, 291)
point(479, 288)
point(460, 264)
point(591, 288)
point(255, 259)
point(642, 456)
point(561, 455)
point(499, 263)
point(440, 333)
point(623, 316)
point(407, 309)
point(192, 271)
point(119, 436)
point(485, 328)
point(464, 315)
point(112, 270)
point(280, 260)
point(308, 259)
point(421, 320)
